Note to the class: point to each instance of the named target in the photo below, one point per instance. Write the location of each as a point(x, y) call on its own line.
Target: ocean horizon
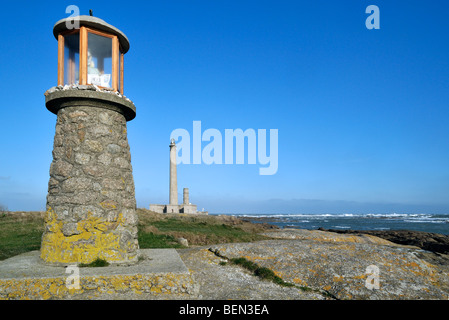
point(426, 222)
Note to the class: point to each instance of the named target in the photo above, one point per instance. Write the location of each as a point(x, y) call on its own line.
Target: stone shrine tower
point(91, 206)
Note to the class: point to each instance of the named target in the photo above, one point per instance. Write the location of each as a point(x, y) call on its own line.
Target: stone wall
point(188, 208)
point(181, 208)
point(158, 208)
point(91, 199)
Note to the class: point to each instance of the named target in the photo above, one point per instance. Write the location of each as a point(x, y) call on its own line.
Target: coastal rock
point(303, 234)
point(434, 242)
point(343, 266)
point(183, 242)
point(218, 280)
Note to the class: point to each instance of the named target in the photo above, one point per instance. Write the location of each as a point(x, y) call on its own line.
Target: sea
point(435, 223)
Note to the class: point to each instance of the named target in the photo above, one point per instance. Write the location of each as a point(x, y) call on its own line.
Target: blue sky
point(362, 115)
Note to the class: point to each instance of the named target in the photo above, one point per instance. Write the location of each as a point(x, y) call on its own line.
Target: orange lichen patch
point(362, 276)
point(299, 281)
point(260, 258)
point(338, 278)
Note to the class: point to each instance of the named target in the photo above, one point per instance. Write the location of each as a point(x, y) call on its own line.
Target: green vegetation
point(20, 234)
point(149, 240)
point(162, 230)
point(94, 264)
point(262, 272)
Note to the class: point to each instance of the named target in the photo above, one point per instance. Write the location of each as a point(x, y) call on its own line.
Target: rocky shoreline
point(434, 242)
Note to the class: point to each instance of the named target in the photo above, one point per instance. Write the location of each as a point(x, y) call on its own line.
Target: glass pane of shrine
point(99, 60)
point(119, 70)
point(71, 58)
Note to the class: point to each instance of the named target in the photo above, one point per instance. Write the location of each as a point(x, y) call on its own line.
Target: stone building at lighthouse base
point(173, 208)
point(185, 207)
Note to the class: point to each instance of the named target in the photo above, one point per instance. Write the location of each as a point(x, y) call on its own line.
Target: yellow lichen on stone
point(108, 205)
point(56, 288)
point(93, 240)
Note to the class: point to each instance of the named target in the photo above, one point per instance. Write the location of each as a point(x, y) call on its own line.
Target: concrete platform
point(159, 273)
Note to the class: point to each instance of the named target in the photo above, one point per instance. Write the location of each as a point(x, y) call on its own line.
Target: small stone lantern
point(91, 206)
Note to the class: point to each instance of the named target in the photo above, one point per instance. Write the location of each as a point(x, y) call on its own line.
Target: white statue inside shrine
point(95, 76)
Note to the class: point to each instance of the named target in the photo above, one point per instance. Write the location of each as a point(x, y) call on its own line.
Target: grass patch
point(261, 272)
point(20, 234)
point(94, 264)
point(151, 240)
point(197, 229)
point(213, 233)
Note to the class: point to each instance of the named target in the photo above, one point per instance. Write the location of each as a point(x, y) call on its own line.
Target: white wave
point(424, 221)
